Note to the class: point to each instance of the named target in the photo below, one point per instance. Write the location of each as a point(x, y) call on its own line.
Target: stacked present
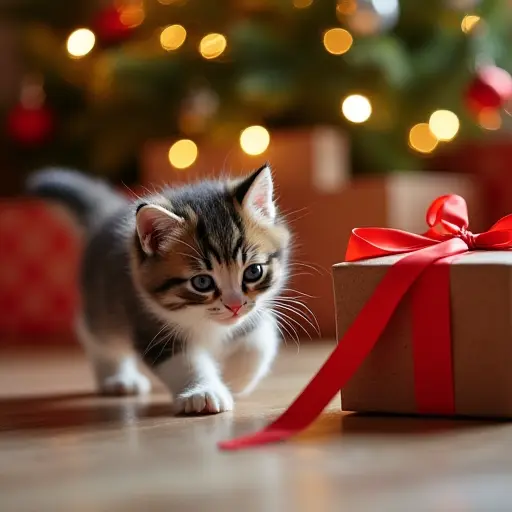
point(39, 253)
point(423, 324)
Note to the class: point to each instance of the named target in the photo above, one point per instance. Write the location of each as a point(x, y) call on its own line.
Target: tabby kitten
point(185, 277)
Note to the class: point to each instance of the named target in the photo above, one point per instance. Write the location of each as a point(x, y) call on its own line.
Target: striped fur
point(144, 264)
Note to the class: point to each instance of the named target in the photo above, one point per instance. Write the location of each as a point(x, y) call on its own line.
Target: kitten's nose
point(234, 306)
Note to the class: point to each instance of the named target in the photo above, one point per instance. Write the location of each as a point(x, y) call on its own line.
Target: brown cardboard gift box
point(481, 302)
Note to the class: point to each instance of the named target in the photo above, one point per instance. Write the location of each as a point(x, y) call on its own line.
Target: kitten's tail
point(89, 199)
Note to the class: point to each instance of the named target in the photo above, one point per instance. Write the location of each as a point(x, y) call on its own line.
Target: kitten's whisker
point(299, 303)
point(281, 334)
point(286, 215)
point(305, 265)
point(301, 274)
point(287, 325)
point(189, 256)
point(186, 244)
point(131, 191)
point(154, 341)
point(164, 345)
point(300, 314)
point(300, 293)
point(294, 322)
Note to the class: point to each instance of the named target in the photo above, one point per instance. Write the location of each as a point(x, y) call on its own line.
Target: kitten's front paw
point(125, 384)
point(203, 400)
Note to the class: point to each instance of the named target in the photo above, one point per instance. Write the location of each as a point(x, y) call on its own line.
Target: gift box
point(39, 261)
point(481, 339)
point(323, 201)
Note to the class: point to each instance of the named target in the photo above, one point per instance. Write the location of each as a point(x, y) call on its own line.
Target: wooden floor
point(63, 449)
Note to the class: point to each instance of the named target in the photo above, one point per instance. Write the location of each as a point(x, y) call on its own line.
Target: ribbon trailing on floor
point(425, 272)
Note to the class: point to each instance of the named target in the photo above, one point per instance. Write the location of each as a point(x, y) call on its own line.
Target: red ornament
point(30, 126)
point(111, 27)
point(490, 89)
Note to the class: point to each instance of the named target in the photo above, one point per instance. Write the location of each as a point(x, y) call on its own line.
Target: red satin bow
point(424, 271)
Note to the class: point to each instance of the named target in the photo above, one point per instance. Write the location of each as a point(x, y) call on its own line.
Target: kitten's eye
point(253, 273)
point(203, 283)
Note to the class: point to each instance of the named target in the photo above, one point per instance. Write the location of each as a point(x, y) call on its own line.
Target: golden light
point(254, 140)
point(80, 42)
point(172, 37)
point(132, 15)
point(444, 124)
point(356, 108)
point(489, 119)
point(469, 22)
point(183, 153)
point(337, 41)
point(212, 45)
point(422, 139)
point(302, 4)
point(346, 7)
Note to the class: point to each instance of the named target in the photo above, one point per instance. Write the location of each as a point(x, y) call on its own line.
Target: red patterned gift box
point(39, 257)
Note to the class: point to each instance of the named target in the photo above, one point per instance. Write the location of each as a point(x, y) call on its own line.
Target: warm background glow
point(172, 37)
point(337, 41)
point(302, 4)
point(80, 42)
point(254, 140)
point(356, 108)
point(444, 124)
point(183, 154)
point(489, 119)
point(212, 45)
point(469, 22)
point(422, 139)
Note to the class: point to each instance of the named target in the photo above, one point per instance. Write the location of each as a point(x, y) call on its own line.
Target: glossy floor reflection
point(64, 449)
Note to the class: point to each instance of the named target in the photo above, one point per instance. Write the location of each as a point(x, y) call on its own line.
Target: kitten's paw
point(126, 384)
point(203, 400)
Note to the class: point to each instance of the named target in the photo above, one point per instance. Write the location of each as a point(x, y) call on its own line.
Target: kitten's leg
point(194, 380)
point(114, 364)
point(253, 357)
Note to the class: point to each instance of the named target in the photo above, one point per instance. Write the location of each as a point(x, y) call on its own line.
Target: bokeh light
point(489, 119)
point(132, 15)
point(422, 139)
point(254, 140)
point(183, 153)
point(337, 41)
point(80, 42)
point(212, 45)
point(469, 22)
point(302, 4)
point(172, 37)
point(444, 124)
point(346, 7)
point(356, 108)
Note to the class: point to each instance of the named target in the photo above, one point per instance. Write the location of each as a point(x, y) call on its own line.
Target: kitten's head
point(215, 251)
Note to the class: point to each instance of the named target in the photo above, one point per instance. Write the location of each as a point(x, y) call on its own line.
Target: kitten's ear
point(155, 227)
point(255, 193)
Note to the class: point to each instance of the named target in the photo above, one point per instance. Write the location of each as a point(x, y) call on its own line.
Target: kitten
point(182, 279)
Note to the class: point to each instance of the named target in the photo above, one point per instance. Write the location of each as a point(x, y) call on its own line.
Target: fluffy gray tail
point(89, 199)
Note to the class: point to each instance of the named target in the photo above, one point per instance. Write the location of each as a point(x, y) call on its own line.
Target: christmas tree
point(402, 78)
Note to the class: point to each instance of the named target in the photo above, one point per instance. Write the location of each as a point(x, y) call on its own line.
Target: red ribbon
point(424, 271)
